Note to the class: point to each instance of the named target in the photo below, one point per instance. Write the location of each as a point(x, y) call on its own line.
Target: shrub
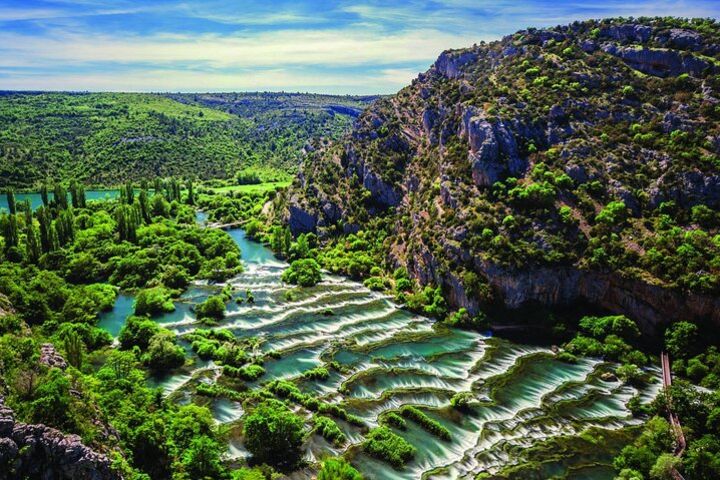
point(137, 331)
point(304, 272)
point(163, 353)
point(329, 430)
point(382, 443)
point(213, 308)
point(427, 423)
point(338, 469)
point(251, 372)
point(154, 301)
point(317, 373)
point(392, 418)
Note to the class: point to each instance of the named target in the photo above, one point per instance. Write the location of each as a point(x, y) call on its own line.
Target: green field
point(255, 188)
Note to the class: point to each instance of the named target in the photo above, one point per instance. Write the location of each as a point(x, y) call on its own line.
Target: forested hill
point(107, 138)
point(579, 162)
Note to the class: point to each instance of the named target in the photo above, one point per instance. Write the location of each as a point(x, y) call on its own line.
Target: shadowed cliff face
point(576, 163)
point(38, 451)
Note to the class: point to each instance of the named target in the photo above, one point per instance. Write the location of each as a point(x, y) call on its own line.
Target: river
point(395, 357)
point(36, 199)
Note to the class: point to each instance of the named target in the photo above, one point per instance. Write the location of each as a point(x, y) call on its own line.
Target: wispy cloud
point(322, 45)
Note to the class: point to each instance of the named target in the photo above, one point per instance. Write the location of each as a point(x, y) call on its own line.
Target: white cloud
point(335, 48)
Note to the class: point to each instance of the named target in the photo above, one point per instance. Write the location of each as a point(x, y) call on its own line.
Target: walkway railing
point(680, 443)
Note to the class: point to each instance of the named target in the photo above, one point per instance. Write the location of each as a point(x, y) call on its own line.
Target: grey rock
point(450, 63)
point(493, 149)
point(588, 46)
point(657, 62)
point(50, 357)
point(38, 451)
point(685, 39)
point(627, 33)
point(301, 220)
point(576, 172)
point(382, 192)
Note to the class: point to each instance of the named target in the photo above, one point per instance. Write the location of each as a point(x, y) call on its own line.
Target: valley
point(474, 278)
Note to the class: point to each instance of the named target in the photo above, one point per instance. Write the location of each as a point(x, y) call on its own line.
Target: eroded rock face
point(301, 220)
point(659, 63)
point(493, 149)
point(450, 64)
point(38, 451)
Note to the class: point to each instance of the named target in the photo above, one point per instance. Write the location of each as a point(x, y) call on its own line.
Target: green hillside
point(107, 138)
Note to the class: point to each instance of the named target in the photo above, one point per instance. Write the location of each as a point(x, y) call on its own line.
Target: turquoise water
point(113, 320)
point(36, 200)
point(390, 358)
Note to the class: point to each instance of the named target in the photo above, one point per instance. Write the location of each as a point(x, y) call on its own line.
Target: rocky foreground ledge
point(38, 451)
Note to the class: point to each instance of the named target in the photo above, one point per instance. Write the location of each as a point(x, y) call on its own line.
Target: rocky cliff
point(38, 451)
point(580, 162)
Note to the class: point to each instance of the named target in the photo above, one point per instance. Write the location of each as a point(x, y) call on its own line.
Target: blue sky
point(300, 45)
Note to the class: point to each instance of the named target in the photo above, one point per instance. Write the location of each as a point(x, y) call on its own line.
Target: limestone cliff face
point(38, 451)
point(473, 163)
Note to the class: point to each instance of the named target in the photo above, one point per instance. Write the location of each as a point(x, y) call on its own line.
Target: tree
point(144, 205)
point(47, 231)
point(153, 301)
point(160, 207)
point(681, 339)
point(12, 207)
point(137, 331)
point(74, 348)
point(163, 353)
point(77, 194)
point(273, 433)
point(44, 196)
point(60, 197)
point(202, 459)
point(32, 244)
point(664, 466)
point(191, 193)
point(9, 231)
point(304, 272)
point(213, 308)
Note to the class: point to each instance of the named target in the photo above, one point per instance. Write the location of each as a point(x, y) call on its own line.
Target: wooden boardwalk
point(680, 443)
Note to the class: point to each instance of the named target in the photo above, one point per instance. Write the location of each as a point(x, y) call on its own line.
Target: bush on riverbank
point(304, 272)
point(382, 443)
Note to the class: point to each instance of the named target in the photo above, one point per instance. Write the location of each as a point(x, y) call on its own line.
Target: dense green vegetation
point(383, 443)
point(107, 138)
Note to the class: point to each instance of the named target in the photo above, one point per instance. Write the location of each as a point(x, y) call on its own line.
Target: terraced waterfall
point(393, 358)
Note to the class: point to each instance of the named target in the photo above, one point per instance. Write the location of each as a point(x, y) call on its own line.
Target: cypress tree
point(144, 205)
point(44, 195)
point(60, 194)
point(12, 207)
point(191, 193)
point(32, 244)
point(10, 231)
point(77, 194)
point(46, 230)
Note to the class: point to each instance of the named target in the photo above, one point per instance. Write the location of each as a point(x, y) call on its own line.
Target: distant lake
point(36, 200)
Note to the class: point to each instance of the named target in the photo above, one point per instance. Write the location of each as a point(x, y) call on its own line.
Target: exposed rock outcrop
point(660, 63)
point(38, 451)
point(50, 357)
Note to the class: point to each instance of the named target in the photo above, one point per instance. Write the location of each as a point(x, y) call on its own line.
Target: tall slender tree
point(32, 244)
point(44, 195)
point(12, 207)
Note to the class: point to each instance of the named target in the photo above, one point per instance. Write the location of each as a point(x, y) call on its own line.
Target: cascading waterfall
point(390, 358)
